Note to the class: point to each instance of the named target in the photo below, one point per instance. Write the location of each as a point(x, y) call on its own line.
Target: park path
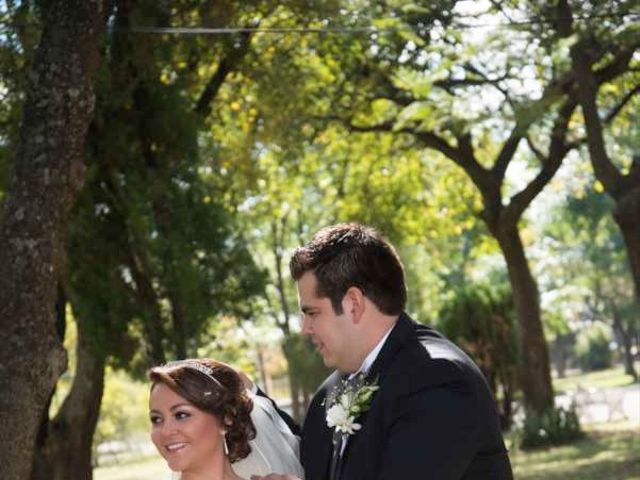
point(598, 405)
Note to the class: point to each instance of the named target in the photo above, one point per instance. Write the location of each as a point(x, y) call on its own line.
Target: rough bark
point(535, 378)
point(47, 177)
point(65, 451)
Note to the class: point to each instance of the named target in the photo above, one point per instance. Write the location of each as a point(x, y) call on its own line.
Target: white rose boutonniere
point(346, 403)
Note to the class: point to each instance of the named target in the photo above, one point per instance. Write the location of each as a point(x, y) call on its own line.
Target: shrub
point(553, 427)
point(592, 347)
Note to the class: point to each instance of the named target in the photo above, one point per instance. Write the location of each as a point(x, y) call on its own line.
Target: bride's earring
point(224, 441)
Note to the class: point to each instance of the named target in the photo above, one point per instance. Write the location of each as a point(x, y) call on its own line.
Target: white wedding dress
point(274, 450)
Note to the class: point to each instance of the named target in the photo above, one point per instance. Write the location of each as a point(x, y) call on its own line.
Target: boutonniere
point(346, 402)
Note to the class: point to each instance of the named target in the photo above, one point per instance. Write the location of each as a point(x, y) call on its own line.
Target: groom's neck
point(374, 328)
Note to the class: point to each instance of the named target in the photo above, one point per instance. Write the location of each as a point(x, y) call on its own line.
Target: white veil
point(275, 449)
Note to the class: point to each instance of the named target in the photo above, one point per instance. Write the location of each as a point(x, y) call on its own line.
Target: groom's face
point(332, 334)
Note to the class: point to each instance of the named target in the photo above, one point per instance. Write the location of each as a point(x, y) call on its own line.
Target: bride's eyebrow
point(172, 408)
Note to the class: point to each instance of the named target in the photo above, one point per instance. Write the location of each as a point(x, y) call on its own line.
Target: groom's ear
point(353, 304)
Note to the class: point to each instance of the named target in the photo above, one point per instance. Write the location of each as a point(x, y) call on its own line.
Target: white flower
point(338, 417)
point(347, 402)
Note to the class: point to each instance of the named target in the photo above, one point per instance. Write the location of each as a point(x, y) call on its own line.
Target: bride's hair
point(216, 389)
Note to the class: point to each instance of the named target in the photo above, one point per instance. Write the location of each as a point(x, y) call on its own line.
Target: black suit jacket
point(433, 417)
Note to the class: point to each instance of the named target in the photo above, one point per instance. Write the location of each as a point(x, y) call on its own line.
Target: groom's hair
point(353, 255)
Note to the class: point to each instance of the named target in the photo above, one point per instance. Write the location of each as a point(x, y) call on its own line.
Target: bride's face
point(188, 438)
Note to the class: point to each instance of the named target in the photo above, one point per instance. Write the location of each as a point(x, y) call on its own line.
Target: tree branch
point(508, 151)
point(620, 106)
point(227, 65)
point(462, 155)
point(550, 164)
point(536, 151)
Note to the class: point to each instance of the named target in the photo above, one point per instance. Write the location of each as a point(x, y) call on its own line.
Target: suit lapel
point(317, 435)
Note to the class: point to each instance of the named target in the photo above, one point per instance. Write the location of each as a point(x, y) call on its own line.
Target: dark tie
point(339, 438)
point(336, 455)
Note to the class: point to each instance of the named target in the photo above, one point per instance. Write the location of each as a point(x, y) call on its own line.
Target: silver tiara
point(194, 365)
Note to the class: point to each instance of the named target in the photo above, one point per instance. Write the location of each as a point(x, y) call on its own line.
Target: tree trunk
point(506, 406)
point(66, 450)
point(629, 367)
point(33, 222)
point(627, 216)
point(294, 384)
point(535, 377)
point(624, 336)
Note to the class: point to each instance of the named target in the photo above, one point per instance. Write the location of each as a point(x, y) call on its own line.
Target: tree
point(151, 254)
point(422, 87)
point(48, 174)
point(463, 96)
point(157, 256)
point(615, 40)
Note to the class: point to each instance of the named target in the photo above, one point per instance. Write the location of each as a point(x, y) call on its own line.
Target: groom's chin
point(328, 362)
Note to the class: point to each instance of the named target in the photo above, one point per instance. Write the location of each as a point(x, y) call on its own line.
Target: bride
point(208, 426)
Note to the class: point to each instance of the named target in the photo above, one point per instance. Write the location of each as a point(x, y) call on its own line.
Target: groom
point(416, 405)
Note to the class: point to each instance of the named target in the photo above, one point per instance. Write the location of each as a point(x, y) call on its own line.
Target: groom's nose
point(306, 324)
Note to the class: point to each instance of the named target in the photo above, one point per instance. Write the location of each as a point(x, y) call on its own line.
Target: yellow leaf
point(598, 187)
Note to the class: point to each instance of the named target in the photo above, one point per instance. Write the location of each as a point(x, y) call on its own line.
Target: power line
point(336, 30)
point(236, 30)
point(329, 30)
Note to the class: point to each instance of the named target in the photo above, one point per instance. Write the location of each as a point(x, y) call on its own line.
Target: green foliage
point(593, 347)
point(124, 411)
point(587, 274)
point(305, 365)
point(480, 318)
point(188, 217)
point(156, 253)
point(228, 340)
point(553, 427)
point(20, 23)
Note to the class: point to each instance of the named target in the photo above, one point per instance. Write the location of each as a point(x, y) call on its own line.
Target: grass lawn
point(149, 468)
point(612, 377)
point(610, 451)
